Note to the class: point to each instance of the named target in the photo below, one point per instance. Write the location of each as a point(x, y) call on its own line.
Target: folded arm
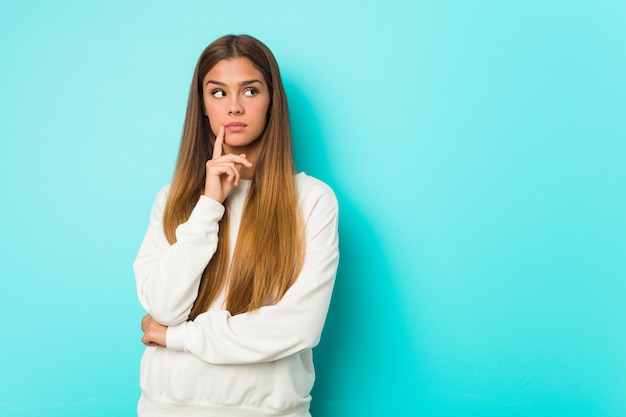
point(272, 332)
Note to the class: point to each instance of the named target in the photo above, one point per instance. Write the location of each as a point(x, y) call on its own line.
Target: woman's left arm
point(293, 324)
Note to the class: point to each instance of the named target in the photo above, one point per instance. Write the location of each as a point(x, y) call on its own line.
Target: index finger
point(217, 146)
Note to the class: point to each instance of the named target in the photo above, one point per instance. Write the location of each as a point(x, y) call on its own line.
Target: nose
point(235, 106)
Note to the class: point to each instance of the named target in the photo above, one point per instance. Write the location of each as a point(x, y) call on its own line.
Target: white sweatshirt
point(251, 364)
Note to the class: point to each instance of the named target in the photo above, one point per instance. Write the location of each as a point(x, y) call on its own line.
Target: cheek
point(208, 110)
point(211, 113)
point(262, 112)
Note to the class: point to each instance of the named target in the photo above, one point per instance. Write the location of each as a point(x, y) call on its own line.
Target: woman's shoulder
point(163, 192)
point(306, 182)
point(311, 189)
point(161, 197)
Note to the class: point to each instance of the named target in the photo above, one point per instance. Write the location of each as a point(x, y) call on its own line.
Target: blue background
point(477, 150)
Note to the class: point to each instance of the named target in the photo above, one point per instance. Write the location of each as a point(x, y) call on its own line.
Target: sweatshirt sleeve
point(168, 276)
point(276, 331)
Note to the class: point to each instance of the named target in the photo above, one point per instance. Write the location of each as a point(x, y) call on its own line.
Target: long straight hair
point(269, 252)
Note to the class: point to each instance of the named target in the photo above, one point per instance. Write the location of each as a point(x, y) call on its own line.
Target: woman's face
point(237, 97)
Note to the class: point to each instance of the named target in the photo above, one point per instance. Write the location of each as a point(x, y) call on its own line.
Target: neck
point(247, 173)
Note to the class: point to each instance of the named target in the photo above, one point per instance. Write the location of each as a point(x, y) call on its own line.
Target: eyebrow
point(241, 84)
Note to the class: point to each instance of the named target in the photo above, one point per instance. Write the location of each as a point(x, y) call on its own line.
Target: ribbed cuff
point(174, 337)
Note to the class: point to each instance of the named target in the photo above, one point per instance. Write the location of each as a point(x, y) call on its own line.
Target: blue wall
point(477, 150)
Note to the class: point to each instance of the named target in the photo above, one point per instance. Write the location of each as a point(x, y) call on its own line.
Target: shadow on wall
point(365, 362)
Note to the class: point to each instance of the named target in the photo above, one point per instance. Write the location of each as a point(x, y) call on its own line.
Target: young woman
point(238, 264)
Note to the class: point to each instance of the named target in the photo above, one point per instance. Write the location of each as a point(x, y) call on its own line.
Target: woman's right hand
point(222, 171)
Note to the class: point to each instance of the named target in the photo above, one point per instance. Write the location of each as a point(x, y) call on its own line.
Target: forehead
point(233, 71)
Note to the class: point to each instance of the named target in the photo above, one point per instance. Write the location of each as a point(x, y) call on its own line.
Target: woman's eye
point(218, 93)
point(251, 92)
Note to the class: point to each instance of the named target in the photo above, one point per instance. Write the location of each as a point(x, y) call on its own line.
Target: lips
point(235, 126)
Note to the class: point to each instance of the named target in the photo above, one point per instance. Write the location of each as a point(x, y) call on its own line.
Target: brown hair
point(270, 246)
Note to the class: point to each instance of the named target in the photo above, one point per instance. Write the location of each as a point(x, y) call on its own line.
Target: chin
point(243, 143)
